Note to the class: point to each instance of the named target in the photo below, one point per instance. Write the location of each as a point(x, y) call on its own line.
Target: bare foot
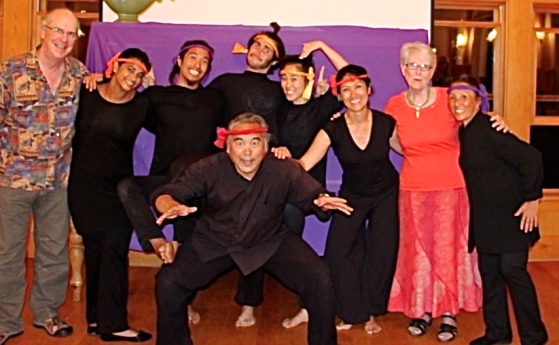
point(246, 319)
point(342, 326)
point(371, 327)
point(193, 316)
point(298, 319)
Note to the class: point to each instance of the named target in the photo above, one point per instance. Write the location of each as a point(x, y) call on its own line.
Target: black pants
point(502, 271)
point(250, 289)
point(295, 264)
point(361, 252)
point(106, 265)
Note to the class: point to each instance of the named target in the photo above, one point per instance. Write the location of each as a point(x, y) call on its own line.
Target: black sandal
point(447, 329)
point(418, 327)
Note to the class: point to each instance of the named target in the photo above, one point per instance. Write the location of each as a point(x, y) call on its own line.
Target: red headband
point(223, 133)
point(109, 71)
point(334, 85)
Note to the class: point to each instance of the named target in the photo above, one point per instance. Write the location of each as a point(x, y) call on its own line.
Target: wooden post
point(76, 263)
point(17, 27)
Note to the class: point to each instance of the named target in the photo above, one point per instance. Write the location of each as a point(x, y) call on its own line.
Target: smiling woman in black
point(504, 178)
point(107, 123)
point(361, 249)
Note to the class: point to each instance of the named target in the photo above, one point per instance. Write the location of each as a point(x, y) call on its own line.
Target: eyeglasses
point(412, 66)
point(59, 32)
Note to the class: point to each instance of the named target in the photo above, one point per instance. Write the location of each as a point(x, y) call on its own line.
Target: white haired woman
point(435, 274)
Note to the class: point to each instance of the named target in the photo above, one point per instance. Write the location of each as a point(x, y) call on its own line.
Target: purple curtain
point(375, 49)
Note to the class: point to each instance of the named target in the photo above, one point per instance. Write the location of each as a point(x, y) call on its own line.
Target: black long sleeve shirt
point(502, 172)
point(242, 218)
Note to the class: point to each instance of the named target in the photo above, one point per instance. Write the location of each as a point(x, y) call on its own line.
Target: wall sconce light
point(540, 35)
point(492, 35)
point(461, 40)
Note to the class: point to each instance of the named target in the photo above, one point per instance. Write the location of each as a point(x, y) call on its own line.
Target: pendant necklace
point(418, 106)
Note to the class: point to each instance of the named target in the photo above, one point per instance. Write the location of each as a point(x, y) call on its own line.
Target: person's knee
point(320, 275)
point(166, 288)
point(127, 187)
point(512, 270)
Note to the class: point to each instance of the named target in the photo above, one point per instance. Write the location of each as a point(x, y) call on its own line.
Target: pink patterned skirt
point(435, 273)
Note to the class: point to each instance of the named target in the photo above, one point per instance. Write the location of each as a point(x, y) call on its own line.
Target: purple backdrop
point(375, 49)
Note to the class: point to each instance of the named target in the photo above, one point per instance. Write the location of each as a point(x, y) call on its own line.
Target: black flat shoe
point(488, 341)
point(92, 330)
point(138, 338)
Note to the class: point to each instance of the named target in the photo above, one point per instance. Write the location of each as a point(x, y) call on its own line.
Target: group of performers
point(397, 242)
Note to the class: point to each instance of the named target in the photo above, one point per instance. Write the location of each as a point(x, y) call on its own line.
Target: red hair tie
point(116, 58)
point(223, 133)
point(334, 85)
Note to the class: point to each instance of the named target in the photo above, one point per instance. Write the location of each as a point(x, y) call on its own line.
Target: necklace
point(418, 106)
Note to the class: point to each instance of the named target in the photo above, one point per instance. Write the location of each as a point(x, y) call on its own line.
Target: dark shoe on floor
point(4, 336)
point(447, 331)
point(419, 326)
point(56, 327)
point(488, 341)
point(92, 330)
point(138, 338)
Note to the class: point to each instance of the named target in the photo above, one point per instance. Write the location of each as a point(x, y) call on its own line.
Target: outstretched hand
point(529, 213)
point(170, 208)
point(178, 210)
point(328, 203)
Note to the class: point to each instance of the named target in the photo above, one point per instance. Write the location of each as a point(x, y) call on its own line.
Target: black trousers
point(106, 265)
point(361, 252)
point(502, 271)
point(294, 264)
point(250, 289)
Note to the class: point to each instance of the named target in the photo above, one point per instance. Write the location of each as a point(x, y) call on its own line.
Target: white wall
point(404, 14)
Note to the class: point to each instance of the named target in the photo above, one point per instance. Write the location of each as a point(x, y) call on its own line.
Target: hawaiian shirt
point(37, 124)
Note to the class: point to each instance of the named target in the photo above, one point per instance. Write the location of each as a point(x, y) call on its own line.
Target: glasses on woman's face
point(59, 32)
point(423, 67)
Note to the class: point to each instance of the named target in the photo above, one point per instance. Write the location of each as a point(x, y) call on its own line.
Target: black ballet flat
point(140, 337)
point(92, 330)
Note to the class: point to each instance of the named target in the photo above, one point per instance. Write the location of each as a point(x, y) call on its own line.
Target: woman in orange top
point(435, 274)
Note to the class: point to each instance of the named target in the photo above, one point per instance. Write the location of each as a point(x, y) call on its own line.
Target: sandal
point(418, 327)
point(447, 331)
point(56, 327)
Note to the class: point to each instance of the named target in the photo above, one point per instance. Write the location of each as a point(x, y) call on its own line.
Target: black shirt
point(184, 122)
point(299, 124)
point(242, 218)
point(251, 92)
point(366, 172)
point(502, 172)
point(102, 157)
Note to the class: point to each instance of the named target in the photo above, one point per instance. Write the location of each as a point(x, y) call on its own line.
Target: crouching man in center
point(246, 190)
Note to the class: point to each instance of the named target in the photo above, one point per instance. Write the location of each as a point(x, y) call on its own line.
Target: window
point(546, 32)
point(467, 41)
point(544, 134)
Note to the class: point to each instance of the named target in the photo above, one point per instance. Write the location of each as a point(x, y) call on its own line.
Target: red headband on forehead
point(334, 85)
point(109, 71)
point(223, 133)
